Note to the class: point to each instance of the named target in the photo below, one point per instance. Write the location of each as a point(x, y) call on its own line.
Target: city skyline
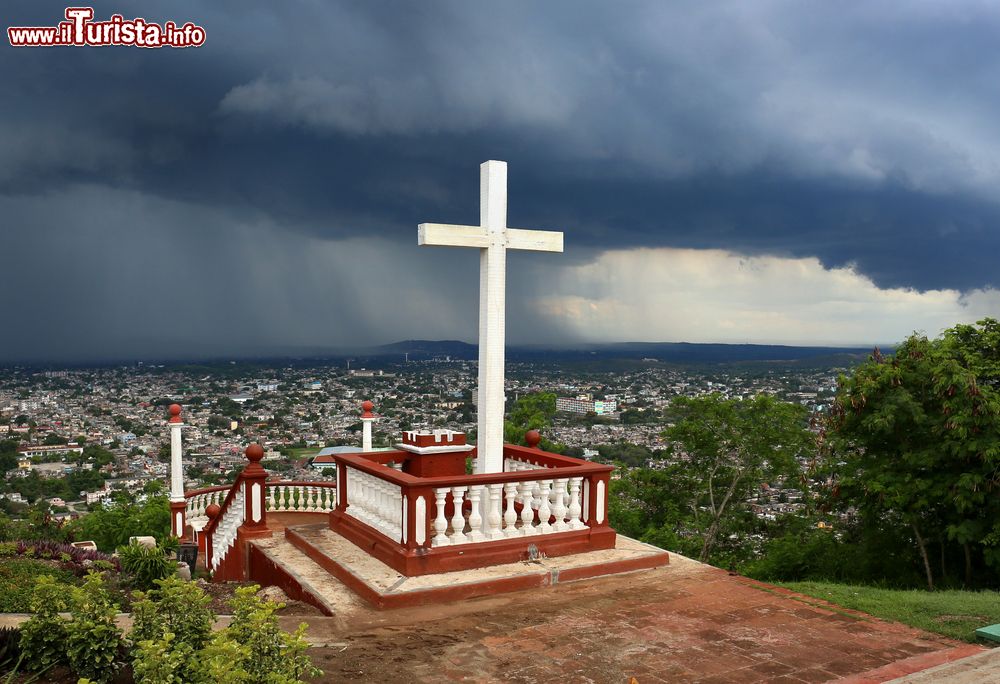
point(769, 173)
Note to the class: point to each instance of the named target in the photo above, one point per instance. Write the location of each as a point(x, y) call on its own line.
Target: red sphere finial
point(533, 438)
point(175, 413)
point(213, 511)
point(366, 407)
point(254, 453)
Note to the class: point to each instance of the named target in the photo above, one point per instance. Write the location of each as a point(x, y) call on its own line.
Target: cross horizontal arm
point(535, 240)
point(449, 235)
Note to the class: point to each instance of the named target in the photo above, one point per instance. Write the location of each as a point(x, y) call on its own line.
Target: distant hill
point(667, 352)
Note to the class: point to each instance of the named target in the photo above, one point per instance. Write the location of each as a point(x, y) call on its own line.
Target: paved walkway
point(981, 668)
point(686, 622)
point(683, 623)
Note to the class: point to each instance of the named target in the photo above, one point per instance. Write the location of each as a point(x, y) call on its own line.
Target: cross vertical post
point(493, 238)
point(492, 323)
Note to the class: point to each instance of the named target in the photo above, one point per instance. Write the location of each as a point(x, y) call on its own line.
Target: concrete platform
point(683, 622)
point(383, 587)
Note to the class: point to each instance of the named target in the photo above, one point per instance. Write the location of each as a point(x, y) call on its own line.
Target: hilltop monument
point(493, 238)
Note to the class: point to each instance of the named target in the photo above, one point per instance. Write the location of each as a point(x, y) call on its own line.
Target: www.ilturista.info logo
point(80, 29)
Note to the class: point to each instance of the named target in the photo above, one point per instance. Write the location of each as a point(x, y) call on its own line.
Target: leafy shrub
point(178, 608)
point(17, 581)
point(162, 661)
point(144, 565)
point(274, 655)
point(93, 640)
point(8, 549)
point(174, 647)
point(170, 544)
point(220, 662)
point(43, 636)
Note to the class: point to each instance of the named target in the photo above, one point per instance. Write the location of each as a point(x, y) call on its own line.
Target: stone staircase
point(312, 563)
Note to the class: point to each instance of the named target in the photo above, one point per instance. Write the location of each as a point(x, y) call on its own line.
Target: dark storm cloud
point(862, 134)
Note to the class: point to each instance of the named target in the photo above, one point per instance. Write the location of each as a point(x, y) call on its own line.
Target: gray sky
point(799, 172)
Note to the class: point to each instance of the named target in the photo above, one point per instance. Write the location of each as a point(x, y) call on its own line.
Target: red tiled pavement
point(683, 623)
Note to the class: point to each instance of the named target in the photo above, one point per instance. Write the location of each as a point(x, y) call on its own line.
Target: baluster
point(493, 517)
point(559, 510)
point(475, 516)
point(458, 516)
point(371, 500)
point(536, 494)
point(440, 521)
point(360, 495)
point(365, 494)
point(382, 520)
point(575, 523)
point(544, 512)
point(386, 506)
point(398, 512)
point(510, 515)
point(527, 513)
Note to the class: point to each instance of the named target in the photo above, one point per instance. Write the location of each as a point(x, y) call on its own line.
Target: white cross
point(493, 238)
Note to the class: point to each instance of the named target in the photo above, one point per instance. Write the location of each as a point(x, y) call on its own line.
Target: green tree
point(8, 455)
point(915, 437)
point(726, 448)
point(110, 525)
point(530, 412)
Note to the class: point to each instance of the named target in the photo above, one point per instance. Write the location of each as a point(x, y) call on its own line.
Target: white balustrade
point(561, 505)
point(493, 510)
point(197, 504)
point(300, 498)
point(225, 532)
point(376, 502)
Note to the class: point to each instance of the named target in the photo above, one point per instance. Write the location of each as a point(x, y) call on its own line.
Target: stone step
point(383, 587)
point(300, 577)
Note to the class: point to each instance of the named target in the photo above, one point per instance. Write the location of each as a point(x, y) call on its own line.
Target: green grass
point(17, 581)
point(303, 452)
point(953, 613)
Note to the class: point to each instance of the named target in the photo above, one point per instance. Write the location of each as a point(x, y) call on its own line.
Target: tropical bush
point(110, 525)
point(43, 636)
point(93, 640)
point(174, 643)
point(17, 579)
point(145, 564)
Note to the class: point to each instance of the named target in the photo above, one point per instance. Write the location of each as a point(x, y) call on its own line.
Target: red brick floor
point(683, 623)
